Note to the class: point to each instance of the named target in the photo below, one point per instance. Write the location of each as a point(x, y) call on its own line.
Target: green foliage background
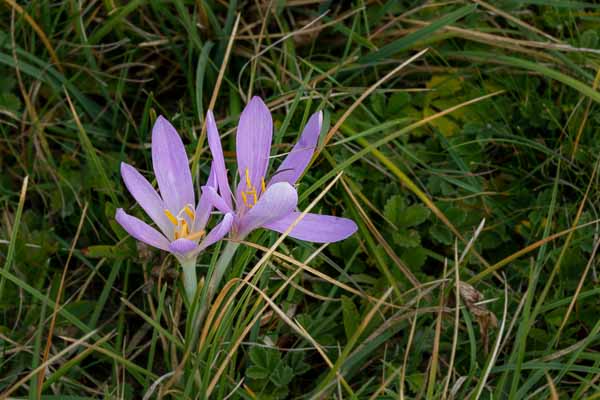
point(80, 86)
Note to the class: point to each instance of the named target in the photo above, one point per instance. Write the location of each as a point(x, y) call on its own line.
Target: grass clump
point(460, 136)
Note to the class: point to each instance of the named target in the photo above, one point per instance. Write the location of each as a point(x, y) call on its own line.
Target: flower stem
point(190, 281)
point(215, 280)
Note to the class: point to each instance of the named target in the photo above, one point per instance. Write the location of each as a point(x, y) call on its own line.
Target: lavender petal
point(314, 227)
point(253, 144)
point(141, 231)
point(143, 192)
point(298, 159)
point(279, 200)
point(214, 142)
point(170, 163)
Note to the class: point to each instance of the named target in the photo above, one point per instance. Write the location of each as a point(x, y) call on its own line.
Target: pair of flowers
point(256, 203)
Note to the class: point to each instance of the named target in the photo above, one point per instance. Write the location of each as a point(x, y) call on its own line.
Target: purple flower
point(182, 225)
point(269, 204)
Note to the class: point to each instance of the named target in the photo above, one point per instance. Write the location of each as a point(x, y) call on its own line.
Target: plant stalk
point(215, 280)
point(190, 280)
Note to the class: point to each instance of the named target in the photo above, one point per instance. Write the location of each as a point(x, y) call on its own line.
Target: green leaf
point(102, 251)
point(413, 216)
point(441, 234)
point(351, 316)
point(296, 361)
point(282, 375)
point(396, 102)
point(589, 39)
point(264, 361)
point(256, 372)
point(406, 238)
point(415, 258)
point(10, 102)
point(393, 208)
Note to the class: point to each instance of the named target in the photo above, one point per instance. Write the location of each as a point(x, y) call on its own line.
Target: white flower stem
point(190, 280)
point(215, 279)
point(220, 267)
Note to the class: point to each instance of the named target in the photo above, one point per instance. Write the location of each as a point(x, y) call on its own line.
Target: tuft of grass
point(460, 136)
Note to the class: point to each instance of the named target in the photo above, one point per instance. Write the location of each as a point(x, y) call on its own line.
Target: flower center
point(183, 225)
point(250, 195)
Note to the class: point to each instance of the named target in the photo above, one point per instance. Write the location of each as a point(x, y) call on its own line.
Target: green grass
point(495, 122)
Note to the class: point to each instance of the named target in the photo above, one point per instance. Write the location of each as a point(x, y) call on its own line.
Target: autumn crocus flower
point(269, 203)
point(181, 223)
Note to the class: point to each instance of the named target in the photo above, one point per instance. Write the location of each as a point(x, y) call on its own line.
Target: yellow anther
point(262, 185)
point(171, 217)
point(255, 197)
point(196, 235)
point(182, 231)
point(248, 181)
point(244, 198)
point(184, 228)
point(188, 210)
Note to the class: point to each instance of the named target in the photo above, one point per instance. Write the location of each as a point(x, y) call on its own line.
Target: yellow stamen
point(188, 210)
point(251, 190)
point(184, 229)
point(171, 217)
point(248, 181)
point(196, 235)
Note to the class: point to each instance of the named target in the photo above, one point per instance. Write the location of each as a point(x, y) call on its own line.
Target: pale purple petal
point(171, 167)
point(212, 177)
point(314, 227)
point(218, 165)
point(279, 200)
point(253, 143)
point(215, 200)
point(203, 211)
point(218, 232)
point(143, 192)
point(141, 230)
point(298, 159)
point(182, 247)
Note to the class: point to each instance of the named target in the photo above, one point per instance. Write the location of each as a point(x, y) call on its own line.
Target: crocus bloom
point(181, 223)
point(269, 204)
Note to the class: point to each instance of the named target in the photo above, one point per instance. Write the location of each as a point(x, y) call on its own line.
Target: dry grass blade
point(585, 117)
point(373, 148)
point(327, 382)
point(363, 96)
point(553, 391)
point(37, 30)
point(456, 317)
point(525, 250)
point(254, 270)
point(516, 20)
point(435, 352)
point(58, 296)
point(496, 350)
point(213, 99)
point(578, 290)
point(388, 249)
point(13, 240)
point(319, 274)
point(411, 336)
point(53, 359)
